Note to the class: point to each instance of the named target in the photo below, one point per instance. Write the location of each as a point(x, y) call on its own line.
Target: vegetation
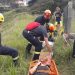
point(12, 36)
point(46, 4)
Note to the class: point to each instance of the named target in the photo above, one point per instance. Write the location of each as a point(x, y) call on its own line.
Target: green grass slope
point(12, 36)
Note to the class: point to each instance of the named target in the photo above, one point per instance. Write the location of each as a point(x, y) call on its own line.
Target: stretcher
point(53, 67)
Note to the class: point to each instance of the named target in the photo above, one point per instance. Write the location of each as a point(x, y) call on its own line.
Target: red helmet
point(51, 27)
point(47, 13)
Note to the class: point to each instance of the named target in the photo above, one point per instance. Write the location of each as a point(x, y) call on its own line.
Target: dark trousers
point(8, 51)
point(34, 41)
point(11, 52)
point(29, 46)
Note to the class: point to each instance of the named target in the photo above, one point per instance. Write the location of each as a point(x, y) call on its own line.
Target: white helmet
point(47, 11)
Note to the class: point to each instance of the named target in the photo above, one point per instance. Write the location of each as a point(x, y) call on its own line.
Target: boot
point(28, 48)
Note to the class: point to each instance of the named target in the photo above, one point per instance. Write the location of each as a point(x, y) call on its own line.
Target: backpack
point(32, 25)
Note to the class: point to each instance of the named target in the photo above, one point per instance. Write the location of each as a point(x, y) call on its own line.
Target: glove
point(50, 43)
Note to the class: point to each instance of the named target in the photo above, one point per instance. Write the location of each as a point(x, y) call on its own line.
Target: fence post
point(67, 16)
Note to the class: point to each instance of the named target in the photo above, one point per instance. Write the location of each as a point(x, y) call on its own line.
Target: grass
point(12, 37)
point(62, 56)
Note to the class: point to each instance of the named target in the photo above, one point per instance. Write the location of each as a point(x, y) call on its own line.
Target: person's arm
point(33, 69)
point(47, 21)
point(54, 17)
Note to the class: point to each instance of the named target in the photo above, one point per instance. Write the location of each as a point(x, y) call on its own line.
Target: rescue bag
point(32, 25)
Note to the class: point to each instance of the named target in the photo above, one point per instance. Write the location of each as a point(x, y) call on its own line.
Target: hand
point(43, 44)
point(38, 63)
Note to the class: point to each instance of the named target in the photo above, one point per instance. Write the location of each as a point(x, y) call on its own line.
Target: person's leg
point(56, 29)
point(38, 47)
point(34, 41)
point(11, 52)
point(28, 47)
point(73, 54)
point(61, 24)
point(55, 33)
point(56, 23)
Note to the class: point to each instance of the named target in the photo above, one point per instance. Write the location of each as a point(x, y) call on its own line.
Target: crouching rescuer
point(31, 32)
point(7, 50)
